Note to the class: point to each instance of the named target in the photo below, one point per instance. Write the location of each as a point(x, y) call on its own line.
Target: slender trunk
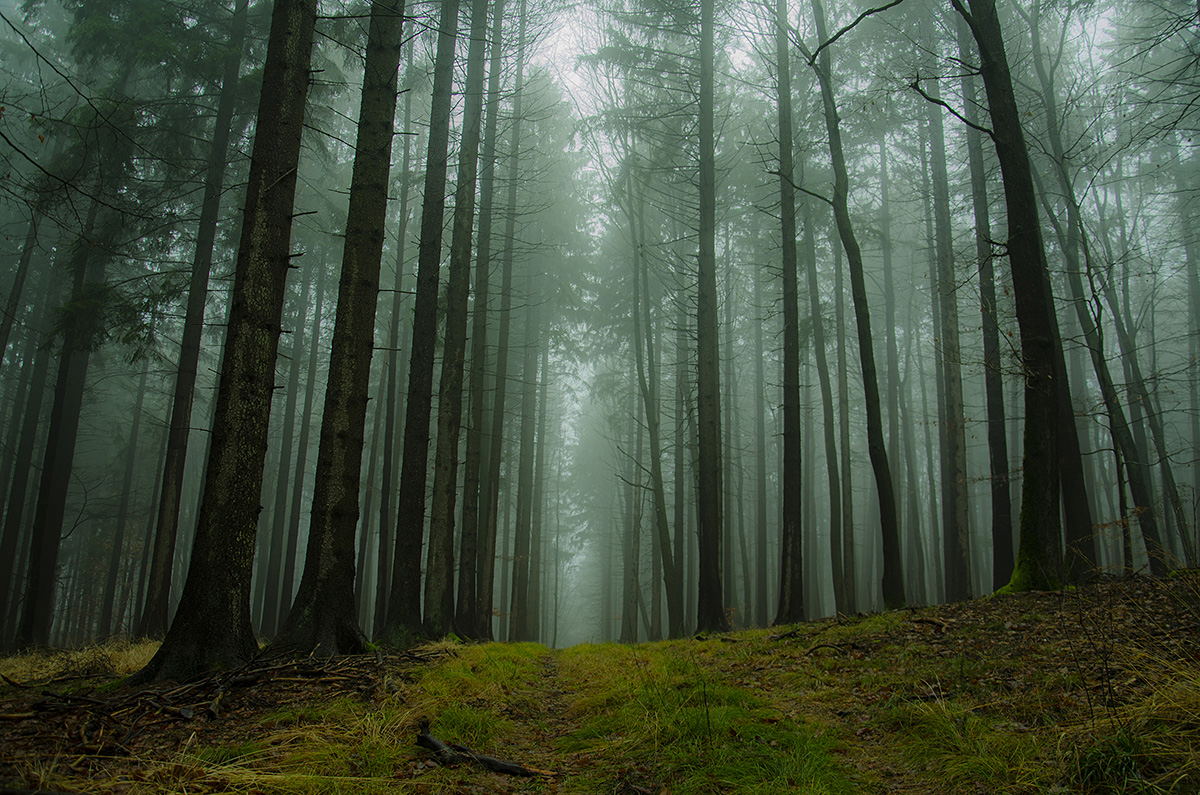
point(893, 577)
point(272, 607)
point(395, 384)
point(710, 611)
point(439, 565)
point(490, 490)
point(761, 615)
point(791, 554)
point(648, 382)
point(848, 563)
point(37, 611)
point(467, 619)
point(1001, 497)
point(534, 621)
point(956, 555)
point(404, 605)
point(520, 619)
point(11, 550)
point(288, 586)
point(18, 286)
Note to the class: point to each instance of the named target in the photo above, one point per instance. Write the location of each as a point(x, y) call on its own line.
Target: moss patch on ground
point(1091, 690)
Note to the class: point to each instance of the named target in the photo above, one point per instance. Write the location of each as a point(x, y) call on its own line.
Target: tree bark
point(154, 618)
point(791, 542)
point(993, 378)
point(1039, 557)
point(324, 618)
point(893, 576)
point(710, 613)
point(439, 566)
point(212, 625)
point(403, 623)
point(467, 619)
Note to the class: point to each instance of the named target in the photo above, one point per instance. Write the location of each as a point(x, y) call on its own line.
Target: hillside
point(1091, 690)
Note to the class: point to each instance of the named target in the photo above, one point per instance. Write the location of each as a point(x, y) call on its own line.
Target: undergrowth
point(1093, 692)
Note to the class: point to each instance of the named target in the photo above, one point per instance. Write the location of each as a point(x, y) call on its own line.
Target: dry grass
point(114, 660)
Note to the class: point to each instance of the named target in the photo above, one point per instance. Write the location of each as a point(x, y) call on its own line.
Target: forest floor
point(1089, 690)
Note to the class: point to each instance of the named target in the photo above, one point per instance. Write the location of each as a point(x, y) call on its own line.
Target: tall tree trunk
point(212, 625)
point(467, 619)
point(1039, 557)
point(791, 552)
point(288, 587)
point(324, 618)
point(892, 382)
point(893, 576)
point(490, 485)
point(848, 563)
point(395, 384)
point(534, 621)
point(154, 618)
point(404, 606)
point(439, 565)
point(710, 614)
point(761, 576)
point(956, 531)
point(993, 377)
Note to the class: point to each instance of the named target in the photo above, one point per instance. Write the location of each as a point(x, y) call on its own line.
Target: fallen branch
point(451, 755)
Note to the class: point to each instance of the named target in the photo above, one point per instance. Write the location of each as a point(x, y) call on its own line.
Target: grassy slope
point(1095, 690)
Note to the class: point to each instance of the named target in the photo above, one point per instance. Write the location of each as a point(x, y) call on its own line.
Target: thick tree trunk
point(324, 618)
point(1039, 557)
point(154, 618)
point(212, 625)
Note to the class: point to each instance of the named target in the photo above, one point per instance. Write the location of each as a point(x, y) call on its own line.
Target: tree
point(404, 607)
point(710, 615)
point(439, 568)
point(153, 621)
point(212, 624)
point(791, 558)
point(893, 578)
point(323, 617)
point(1039, 556)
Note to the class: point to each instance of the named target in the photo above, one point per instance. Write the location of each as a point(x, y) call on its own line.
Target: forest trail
point(1076, 691)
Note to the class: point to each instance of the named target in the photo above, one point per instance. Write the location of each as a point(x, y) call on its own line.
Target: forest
point(336, 325)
